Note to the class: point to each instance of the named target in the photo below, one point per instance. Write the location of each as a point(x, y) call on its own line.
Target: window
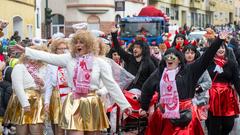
point(167, 12)
point(236, 11)
point(57, 24)
point(18, 25)
point(199, 19)
point(196, 18)
point(221, 15)
point(203, 20)
point(176, 15)
point(38, 26)
point(93, 22)
point(192, 20)
point(117, 19)
point(30, 31)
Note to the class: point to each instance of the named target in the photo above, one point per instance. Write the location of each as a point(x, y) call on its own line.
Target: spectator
point(16, 37)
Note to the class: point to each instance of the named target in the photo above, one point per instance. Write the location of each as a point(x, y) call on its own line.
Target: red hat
point(194, 43)
point(169, 35)
point(167, 43)
point(186, 42)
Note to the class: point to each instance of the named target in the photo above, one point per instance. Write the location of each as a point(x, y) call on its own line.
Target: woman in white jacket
point(57, 87)
point(25, 107)
point(83, 110)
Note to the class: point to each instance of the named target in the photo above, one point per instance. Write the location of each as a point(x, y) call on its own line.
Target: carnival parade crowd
point(85, 85)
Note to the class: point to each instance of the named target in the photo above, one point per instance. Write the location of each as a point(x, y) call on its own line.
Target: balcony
point(176, 2)
point(210, 8)
point(196, 4)
point(211, 5)
point(90, 7)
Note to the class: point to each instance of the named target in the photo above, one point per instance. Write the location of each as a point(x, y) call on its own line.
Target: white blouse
point(51, 82)
point(22, 79)
point(101, 73)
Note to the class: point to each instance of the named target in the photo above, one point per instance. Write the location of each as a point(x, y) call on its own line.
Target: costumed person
point(139, 63)
point(155, 51)
point(26, 108)
point(223, 102)
point(83, 111)
point(113, 54)
point(179, 41)
point(167, 39)
point(176, 82)
point(164, 46)
point(56, 87)
point(204, 83)
point(123, 79)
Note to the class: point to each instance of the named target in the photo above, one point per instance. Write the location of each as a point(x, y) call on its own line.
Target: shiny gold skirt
point(16, 115)
point(55, 107)
point(84, 114)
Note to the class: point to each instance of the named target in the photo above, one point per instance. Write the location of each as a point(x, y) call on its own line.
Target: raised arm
point(111, 85)
point(201, 64)
point(148, 89)
point(54, 59)
point(123, 54)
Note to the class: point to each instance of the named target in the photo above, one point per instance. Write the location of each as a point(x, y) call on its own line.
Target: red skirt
point(201, 111)
point(160, 126)
point(223, 100)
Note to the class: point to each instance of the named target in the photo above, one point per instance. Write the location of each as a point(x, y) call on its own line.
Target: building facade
point(20, 15)
point(99, 15)
point(177, 10)
point(198, 13)
point(224, 12)
point(237, 12)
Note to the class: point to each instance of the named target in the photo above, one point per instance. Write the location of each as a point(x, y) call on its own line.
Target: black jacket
point(229, 75)
point(186, 78)
point(132, 66)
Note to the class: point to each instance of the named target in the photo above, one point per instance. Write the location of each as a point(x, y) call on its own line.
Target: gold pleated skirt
point(84, 114)
point(55, 107)
point(16, 115)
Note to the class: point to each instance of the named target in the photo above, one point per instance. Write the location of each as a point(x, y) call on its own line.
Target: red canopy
point(151, 11)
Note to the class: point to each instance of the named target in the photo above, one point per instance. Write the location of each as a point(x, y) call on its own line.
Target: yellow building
point(190, 12)
point(21, 17)
point(237, 12)
point(224, 12)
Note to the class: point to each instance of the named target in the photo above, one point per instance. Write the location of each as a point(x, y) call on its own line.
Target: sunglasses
point(170, 57)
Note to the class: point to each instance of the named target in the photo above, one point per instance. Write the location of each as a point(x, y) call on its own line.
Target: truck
point(151, 27)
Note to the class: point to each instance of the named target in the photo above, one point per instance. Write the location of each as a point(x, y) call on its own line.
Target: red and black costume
point(186, 80)
point(223, 103)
